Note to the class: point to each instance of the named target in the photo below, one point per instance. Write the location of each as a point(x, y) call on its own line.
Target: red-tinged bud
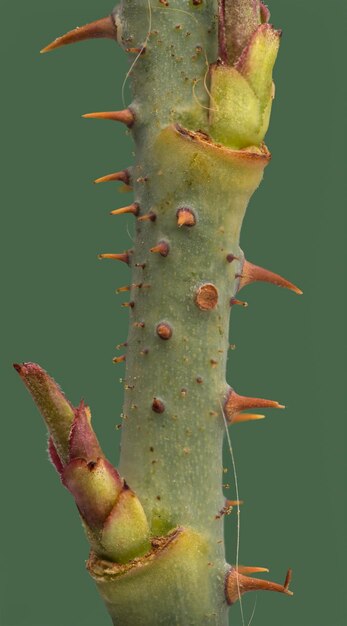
point(54, 456)
point(238, 19)
point(125, 532)
point(95, 487)
point(56, 410)
point(83, 443)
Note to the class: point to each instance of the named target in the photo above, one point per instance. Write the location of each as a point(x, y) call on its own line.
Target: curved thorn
point(131, 208)
point(119, 359)
point(105, 28)
point(116, 257)
point(125, 116)
point(253, 273)
point(234, 301)
point(237, 584)
point(122, 176)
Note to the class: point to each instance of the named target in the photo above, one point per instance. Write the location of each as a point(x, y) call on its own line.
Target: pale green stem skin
point(173, 459)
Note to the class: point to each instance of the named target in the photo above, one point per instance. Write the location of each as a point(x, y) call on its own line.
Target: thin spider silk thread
point(150, 10)
point(238, 512)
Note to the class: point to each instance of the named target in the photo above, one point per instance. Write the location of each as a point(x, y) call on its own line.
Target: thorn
point(119, 359)
point(253, 273)
point(185, 217)
point(164, 330)
point(144, 352)
point(237, 584)
point(158, 406)
point(138, 50)
point(122, 345)
point(148, 217)
point(246, 571)
point(130, 287)
point(116, 257)
point(130, 304)
point(139, 324)
point(162, 248)
point(141, 265)
point(238, 302)
point(131, 208)
point(240, 418)
point(234, 404)
point(206, 297)
point(125, 116)
point(104, 28)
point(228, 507)
point(122, 176)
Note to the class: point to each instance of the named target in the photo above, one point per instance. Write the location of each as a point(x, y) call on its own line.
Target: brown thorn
point(130, 304)
point(122, 345)
point(144, 352)
point(122, 176)
point(122, 289)
point(131, 208)
point(234, 301)
point(141, 265)
point(136, 50)
point(161, 248)
point(125, 116)
point(116, 257)
point(104, 28)
point(235, 403)
point(119, 359)
point(253, 273)
point(149, 217)
point(185, 217)
point(237, 584)
point(139, 324)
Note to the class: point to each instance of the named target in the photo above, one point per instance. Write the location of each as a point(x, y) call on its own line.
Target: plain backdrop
point(59, 308)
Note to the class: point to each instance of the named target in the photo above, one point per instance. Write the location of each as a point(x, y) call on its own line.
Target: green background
point(59, 309)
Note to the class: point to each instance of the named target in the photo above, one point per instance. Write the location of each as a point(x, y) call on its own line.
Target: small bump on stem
point(206, 297)
point(185, 217)
point(231, 257)
point(158, 405)
point(164, 330)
